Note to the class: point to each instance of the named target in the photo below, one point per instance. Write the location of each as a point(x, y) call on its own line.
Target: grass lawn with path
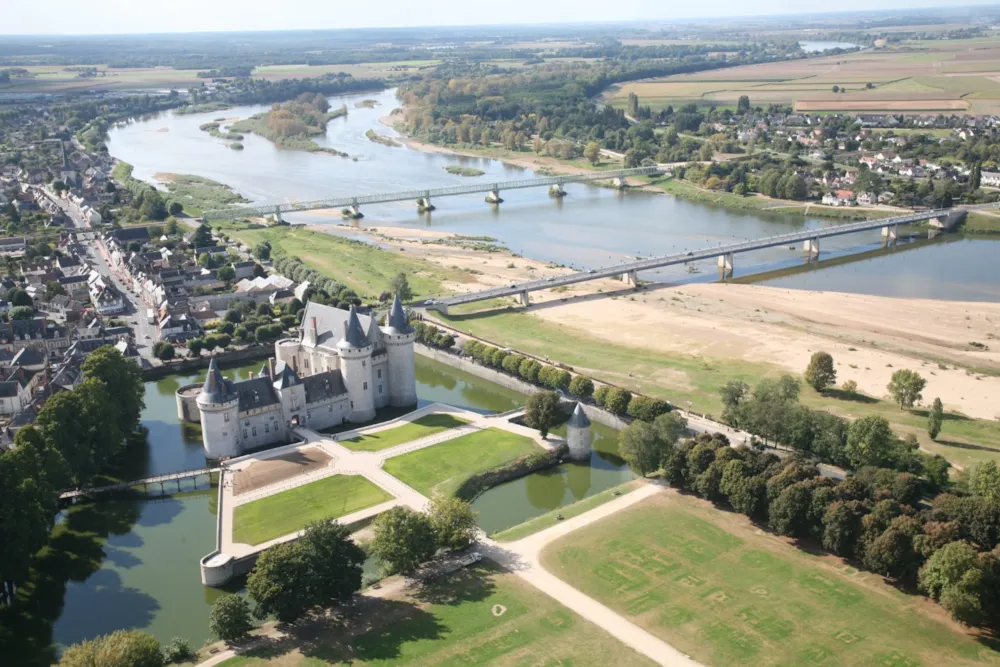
point(289, 511)
point(440, 469)
point(476, 616)
point(717, 588)
point(418, 428)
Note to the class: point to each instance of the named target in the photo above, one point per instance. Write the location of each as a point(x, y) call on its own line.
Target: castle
point(341, 368)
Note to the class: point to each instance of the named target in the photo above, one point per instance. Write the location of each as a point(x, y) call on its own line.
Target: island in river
point(293, 124)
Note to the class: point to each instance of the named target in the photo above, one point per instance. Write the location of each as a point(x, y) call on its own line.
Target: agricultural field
point(951, 76)
point(360, 70)
point(441, 469)
point(289, 511)
point(418, 428)
point(476, 616)
point(54, 78)
point(715, 587)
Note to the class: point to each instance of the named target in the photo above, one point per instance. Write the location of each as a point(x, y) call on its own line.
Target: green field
point(714, 587)
point(474, 617)
point(439, 470)
point(364, 267)
point(418, 428)
point(679, 377)
point(290, 511)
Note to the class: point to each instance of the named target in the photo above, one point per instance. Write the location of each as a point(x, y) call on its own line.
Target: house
point(991, 178)
point(12, 247)
point(37, 332)
point(281, 296)
point(243, 269)
point(866, 199)
point(886, 197)
point(104, 295)
point(15, 391)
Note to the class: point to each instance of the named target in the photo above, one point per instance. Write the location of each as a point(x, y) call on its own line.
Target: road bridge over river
point(425, 196)
point(809, 239)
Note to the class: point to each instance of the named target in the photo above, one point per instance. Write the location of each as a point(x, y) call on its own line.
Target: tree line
point(77, 435)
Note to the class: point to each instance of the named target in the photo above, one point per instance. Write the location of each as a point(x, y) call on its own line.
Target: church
point(341, 368)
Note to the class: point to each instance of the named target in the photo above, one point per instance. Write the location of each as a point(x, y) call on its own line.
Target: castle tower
point(355, 351)
point(399, 337)
point(219, 407)
point(578, 435)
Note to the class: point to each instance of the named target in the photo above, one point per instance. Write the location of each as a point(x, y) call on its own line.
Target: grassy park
point(418, 428)
point(473, 617)
point(290, 511)
point(439, 470)
point(715, 587)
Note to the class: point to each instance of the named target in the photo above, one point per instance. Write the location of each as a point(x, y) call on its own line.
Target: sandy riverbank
point(869, 337)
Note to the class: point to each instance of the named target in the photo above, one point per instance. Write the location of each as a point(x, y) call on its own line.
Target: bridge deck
point(708, 253)
point(155, 479)
point(432, 193)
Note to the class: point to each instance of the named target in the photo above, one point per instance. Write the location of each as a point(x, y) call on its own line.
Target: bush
point(230, 618)
point(617, 401)
point(529, 370)
point(122, 648)
point(512, 363)
point(497, 357)
point(163, 350)
point(601, 395)
point(178, 650)
point(647, 409)
point(581, 386)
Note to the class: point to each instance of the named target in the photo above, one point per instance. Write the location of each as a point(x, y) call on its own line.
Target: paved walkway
point(522, 558)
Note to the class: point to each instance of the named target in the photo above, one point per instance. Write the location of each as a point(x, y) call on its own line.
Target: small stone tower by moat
point(578, 434)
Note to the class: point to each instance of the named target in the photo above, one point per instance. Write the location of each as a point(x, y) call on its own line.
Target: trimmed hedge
point(470, 489)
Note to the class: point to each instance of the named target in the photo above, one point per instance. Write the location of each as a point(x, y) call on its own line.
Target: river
point(133, 563)
point(591, 227)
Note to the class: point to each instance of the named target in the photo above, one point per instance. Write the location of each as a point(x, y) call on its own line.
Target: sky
point(27, 17)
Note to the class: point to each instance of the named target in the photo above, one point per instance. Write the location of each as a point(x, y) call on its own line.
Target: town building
point(341, 368)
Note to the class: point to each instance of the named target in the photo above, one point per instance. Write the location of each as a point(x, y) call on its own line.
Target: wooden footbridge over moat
point(145, 482)
point(425, 196)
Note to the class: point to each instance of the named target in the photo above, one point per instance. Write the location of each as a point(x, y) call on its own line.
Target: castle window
point(352, 405)
point(255, 431)
point(267, 427)
point(366, 386)
point(330, 409)
point(380, 389)
point(380, 374)
point(364, 363)
point(244, 433)
point(226, 416)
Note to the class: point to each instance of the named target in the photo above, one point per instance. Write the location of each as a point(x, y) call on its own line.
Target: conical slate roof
point(354, 334)
point(398, 324)
point(578, 419)
point(215, 389)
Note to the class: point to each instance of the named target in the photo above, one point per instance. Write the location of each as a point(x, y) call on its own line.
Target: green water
point(133, 562)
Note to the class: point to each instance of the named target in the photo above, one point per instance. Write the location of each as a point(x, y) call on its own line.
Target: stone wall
point(186, 366)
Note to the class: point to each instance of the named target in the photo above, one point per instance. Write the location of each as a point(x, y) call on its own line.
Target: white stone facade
point(342, 368)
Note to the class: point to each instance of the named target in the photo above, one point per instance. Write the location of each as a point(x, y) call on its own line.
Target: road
point(135, 310)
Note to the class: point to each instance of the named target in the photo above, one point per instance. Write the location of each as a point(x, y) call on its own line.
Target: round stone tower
point(578, 434)
point(355, 351)
point(219, 407)
point(399, 337)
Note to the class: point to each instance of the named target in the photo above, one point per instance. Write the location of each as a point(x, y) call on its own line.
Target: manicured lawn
point(418, 428)
point(712, 585)
point(364, 267)
point(476, 616)
point(290, 511)
point(442, 468)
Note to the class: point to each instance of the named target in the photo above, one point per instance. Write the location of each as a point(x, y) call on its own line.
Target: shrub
point(512, 363)
point(497, 357)
point(178, 650)
point(529, 370)
point(581, 386)
point(601, 395)
point(230, 618)
point(646, 408)
point(617, 401)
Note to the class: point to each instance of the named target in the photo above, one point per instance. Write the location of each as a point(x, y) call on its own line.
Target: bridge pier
point(811, 246)
point(277, 214)
point(631, 278)
point(890, 234)
point(523, 298)
point(424, 204)
point(557, 190)
point(726, 265)
point(620, 182)
point(353, 211)
point(493, 196)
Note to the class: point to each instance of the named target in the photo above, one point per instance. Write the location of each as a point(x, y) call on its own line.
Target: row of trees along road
point(76, 436)
point(323, 569)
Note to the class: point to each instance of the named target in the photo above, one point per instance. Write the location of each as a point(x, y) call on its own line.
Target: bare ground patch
point(279, 469)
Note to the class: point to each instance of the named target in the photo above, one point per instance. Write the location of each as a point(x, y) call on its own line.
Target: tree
point(581, 386)
point(175, 208)
point(870, 442)
point(22, 313)
point(601, 395)
point(836, 89)
point(646, 408)
point(277, 583)
point(195, 346)
point(234, 315)
point(905, 387)
point(639, 445)
point(18, 297)
point(743, 104)
point(733, 392)
point(121, 648)
point(821, 373)
point(202, 236)
point(842, 526)
point(984, 480)
point(205, 260)
point(400, 286)
point(529, 370)
point(403, 539)
point(935, 419)
point(264, 310)
point(850, 387)
point(617, 401)
point(178, 650)
point(53, 289)
point(453, 521)
point(669, 427)
point(262, 250)
point(542, 411)
point(230, 618)
point(163, 350)
point(123, 380)
point(226, 273)
point(789, 513)
point(592, 152)
point(955, 575)
point(333, 561)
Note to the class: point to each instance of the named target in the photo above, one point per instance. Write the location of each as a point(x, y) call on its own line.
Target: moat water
point(133, 563)
point(591, 227)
